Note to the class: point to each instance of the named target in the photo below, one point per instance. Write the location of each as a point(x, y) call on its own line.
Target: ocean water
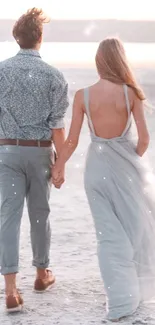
point(82, 54)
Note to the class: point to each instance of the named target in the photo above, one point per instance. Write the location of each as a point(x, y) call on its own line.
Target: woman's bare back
point(108, 109)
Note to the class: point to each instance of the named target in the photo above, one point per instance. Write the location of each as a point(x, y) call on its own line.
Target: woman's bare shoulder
point(79, 98)
point(131, 92)
point(132, 96)
point(79, 94)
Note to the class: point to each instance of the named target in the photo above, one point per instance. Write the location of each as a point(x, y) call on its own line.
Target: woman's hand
point(58, 176)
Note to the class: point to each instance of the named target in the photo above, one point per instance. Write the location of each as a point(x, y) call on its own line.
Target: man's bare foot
point(44, 281)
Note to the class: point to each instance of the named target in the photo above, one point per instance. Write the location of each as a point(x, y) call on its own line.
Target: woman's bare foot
point(117, 320)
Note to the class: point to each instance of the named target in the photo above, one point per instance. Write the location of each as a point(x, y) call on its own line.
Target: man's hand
point(58, 177)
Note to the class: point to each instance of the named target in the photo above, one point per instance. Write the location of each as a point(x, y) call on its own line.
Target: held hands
point(58, 176)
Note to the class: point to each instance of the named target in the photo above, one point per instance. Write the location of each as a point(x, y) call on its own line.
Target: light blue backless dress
point(121, 193)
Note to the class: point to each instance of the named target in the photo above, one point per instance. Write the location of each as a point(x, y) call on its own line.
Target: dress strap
point(125, 87)
point(86, 102)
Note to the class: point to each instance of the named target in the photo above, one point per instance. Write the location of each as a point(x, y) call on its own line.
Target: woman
point(116, 180)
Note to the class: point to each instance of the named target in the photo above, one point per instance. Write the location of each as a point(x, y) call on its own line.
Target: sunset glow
point(73, 9)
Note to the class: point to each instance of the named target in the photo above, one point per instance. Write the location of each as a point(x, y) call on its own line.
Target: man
point(33, 102)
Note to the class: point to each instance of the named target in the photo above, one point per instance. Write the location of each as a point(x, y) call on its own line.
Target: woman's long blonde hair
point(113, 65)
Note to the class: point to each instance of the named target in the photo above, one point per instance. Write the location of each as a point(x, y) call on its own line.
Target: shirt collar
point(29, 52)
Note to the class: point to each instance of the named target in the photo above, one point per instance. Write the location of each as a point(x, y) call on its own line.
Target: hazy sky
point(84, 9)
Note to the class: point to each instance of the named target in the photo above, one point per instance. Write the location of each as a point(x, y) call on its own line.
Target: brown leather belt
point(25, 143)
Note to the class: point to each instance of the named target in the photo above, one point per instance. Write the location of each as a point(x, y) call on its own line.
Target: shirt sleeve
point(59, 102)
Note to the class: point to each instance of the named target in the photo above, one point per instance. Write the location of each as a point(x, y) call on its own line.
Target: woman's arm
point(73, 137)
point(143, 135)
point(58, 138)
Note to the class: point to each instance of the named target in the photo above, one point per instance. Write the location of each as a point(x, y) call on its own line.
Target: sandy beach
point(78, 295)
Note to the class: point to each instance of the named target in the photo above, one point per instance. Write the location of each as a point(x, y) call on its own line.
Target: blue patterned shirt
point(33, 97)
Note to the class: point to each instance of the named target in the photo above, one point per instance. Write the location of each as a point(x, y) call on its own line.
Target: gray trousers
point(24, 173)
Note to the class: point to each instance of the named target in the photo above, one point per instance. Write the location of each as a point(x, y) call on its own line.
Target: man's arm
point(59, 104)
